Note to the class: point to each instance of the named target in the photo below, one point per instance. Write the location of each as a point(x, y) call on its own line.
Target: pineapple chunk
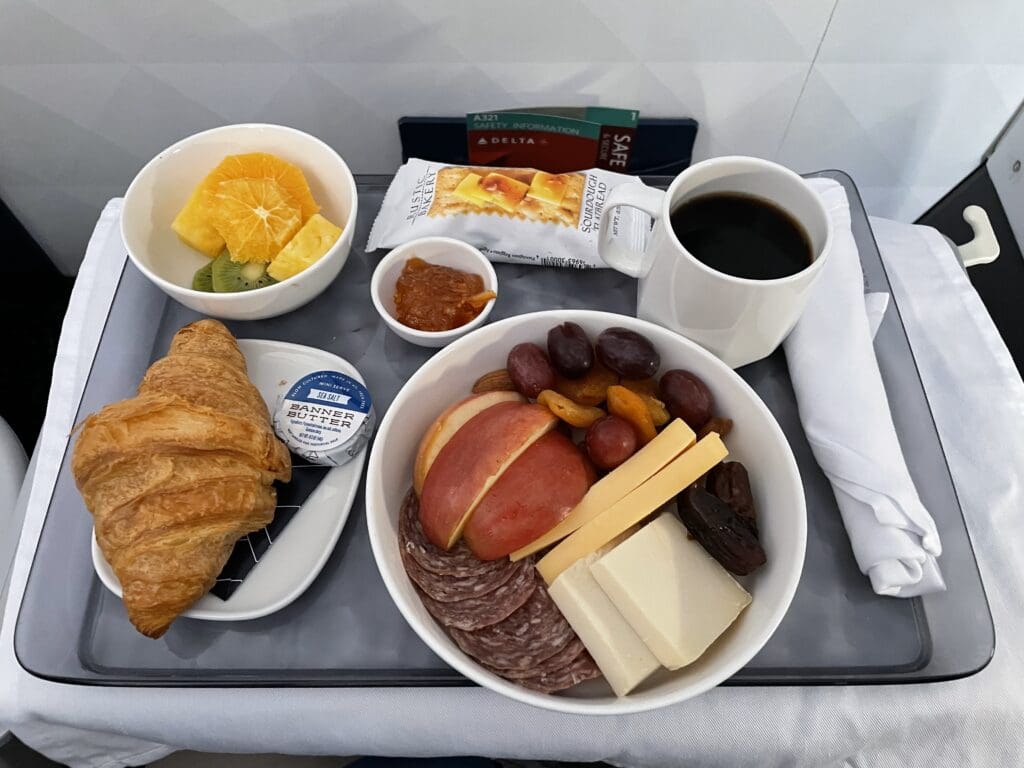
point(194, 227)
point(310, 243)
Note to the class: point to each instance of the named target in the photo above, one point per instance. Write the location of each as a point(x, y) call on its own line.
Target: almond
point(495, 381)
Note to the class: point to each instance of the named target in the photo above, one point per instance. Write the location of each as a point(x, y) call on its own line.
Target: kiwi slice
point(230, 276)
point(202, 280)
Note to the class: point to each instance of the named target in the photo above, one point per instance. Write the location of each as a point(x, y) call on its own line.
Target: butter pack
point(518, 215)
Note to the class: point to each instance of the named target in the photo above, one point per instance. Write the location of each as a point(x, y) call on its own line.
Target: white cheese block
point(622, 656)
point(677, 597)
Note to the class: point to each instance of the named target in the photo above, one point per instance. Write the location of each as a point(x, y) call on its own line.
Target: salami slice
point(582, 668)
point(532, 634)
point(485, 610)
point(497, 611)
point(447, 589)
point(460, 583)
point(564, 657)
point(458, 561)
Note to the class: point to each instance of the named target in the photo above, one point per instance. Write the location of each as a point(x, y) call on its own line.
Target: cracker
point(567, 213)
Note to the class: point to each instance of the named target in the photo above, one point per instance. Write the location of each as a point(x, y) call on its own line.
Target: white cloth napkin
point(845, 413)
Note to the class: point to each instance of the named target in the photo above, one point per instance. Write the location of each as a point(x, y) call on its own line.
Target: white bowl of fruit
point(586, 512)
point(242, 222)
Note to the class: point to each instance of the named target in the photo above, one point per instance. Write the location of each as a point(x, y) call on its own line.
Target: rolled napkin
point(845, 413)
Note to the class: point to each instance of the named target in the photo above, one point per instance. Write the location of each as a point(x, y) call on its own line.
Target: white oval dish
point(163, 186)
point(756, 440)
point(300, 551)
point(445, 251)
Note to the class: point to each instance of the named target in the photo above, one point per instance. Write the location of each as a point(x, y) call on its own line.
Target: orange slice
point(256, 218)
point(261, 165)
point(194, 223)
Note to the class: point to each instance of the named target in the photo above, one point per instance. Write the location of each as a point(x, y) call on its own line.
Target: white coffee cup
point(738, 319)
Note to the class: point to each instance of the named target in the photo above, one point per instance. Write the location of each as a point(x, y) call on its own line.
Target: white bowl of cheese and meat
point(756, 440)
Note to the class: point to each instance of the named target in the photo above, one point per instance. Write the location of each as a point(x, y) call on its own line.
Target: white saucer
point(301, 549)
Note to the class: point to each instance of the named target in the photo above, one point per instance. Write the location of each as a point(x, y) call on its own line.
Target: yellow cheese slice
point(504, 192)
point(635, 506)
point(469, 190)
point(670, 442)
point(547, 187)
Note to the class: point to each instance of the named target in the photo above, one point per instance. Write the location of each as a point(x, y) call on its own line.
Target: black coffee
point(742, 236)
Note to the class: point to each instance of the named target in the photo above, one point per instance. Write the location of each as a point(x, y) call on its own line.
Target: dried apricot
point(647, 386)
point(631, 406)
point(648, 391)
point(567, 410)
point(590, 389)
point(659, 412)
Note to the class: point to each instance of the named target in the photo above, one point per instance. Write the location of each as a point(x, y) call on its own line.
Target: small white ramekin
point(445, 251)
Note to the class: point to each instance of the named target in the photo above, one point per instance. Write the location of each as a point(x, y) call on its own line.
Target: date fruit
point(610, 441)
point(725, 535)
point(687, 397)
point(730, 482)
point(570, 350)
point(529, 369)
point(627, 353)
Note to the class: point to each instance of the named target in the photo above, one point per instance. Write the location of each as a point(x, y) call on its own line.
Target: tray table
point(345, 631)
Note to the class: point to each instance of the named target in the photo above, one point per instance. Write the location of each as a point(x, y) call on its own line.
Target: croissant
point(177, 474)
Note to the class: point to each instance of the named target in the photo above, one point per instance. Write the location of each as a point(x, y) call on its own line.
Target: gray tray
point(346, 631)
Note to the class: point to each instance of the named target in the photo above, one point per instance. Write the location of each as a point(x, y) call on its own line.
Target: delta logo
point(484, 141)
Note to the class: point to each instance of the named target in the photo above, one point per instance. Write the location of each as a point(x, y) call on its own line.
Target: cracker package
point(516, 215)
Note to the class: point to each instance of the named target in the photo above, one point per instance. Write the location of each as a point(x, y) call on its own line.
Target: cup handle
point(611, 251)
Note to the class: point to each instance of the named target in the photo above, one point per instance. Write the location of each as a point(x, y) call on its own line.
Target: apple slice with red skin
point(530, 498)
point(472, 461)
point(447, 424)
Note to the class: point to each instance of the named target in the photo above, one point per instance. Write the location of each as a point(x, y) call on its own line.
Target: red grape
point(529, 369)
point(687, 398)
point(610, 441)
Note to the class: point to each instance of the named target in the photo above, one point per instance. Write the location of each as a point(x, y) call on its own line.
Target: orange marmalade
point(429, 297)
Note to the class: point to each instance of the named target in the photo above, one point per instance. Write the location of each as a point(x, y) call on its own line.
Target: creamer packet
point(518, 215)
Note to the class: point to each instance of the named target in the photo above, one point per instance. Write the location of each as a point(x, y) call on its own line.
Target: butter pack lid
point(326, 417)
